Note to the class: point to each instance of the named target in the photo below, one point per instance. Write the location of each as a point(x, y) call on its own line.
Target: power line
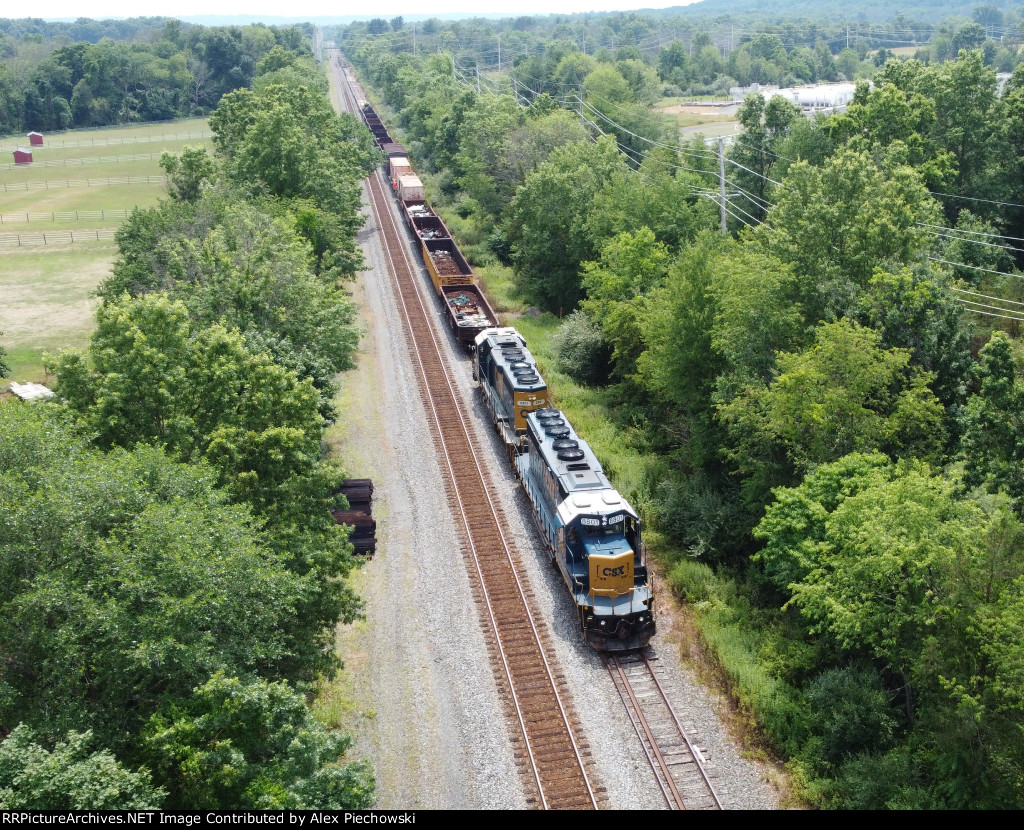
point(983, 296)
point(975, 268)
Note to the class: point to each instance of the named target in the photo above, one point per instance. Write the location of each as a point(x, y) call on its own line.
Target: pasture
point(58, 216)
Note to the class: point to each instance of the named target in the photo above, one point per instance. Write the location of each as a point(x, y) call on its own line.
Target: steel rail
point(654, 757)
point(679, 726)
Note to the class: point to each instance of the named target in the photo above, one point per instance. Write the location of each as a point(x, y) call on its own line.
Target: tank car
point(511, 385)
point(592, 533)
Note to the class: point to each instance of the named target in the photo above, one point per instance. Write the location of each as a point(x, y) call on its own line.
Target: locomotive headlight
point(602, 622)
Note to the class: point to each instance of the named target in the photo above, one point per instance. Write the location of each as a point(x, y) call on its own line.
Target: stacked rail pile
point(359, 492)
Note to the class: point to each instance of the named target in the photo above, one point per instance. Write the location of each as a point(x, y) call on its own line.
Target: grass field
point(46, 291)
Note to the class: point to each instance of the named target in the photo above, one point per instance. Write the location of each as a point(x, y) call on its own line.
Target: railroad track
point(553, 761)
point(677, 763)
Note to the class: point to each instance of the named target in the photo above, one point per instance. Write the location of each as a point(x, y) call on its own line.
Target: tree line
point(172, 573)
point(695, 51)
point(146, 73)
point(827, 394)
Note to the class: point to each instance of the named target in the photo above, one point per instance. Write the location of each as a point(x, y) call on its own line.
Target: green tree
point(837, 224)
point(546, 222)
point(127, 579)
point(616, 285)
point(993, 445)
point(248, 744)
point(765, 125)
point(843, 394)
point(189, 172)
point(70, 777)
point(5, 369)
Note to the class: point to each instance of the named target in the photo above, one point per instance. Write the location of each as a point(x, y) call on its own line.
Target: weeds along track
point(677, 763)
point(552, 759)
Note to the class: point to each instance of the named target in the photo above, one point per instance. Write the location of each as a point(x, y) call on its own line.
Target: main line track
point(552, 759)
point(677, 763)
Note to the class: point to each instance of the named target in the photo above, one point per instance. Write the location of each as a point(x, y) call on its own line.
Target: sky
point(321, 8)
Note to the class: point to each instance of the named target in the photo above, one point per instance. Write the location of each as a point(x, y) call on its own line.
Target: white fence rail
point(83, 183)
point(30, 239)
point(64, 216)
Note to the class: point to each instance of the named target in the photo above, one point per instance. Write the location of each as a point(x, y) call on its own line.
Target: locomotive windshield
point(604, 531)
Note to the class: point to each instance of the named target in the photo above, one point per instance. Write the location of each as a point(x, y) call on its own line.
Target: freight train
point(590, 531)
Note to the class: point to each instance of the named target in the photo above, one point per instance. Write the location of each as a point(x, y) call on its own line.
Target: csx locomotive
point(589, 529)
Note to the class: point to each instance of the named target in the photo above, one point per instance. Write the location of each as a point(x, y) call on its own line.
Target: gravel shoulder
point(427, 713)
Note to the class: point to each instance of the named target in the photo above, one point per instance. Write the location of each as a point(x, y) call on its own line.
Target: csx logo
point(619, 571)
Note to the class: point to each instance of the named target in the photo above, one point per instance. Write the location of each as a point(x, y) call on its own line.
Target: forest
point(813, 361)
point(171, 573)
point(56, 76)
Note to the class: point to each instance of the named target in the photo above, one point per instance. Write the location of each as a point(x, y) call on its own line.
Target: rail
point(677, 763)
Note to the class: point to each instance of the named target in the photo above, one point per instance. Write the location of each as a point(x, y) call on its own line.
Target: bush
point(877, 782)
point(581, 350)
point(851, 713)
point(701, 517)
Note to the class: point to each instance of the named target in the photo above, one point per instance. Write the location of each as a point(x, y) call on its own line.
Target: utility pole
point(499, 51)
point(478, 79)
point(414, 38)
point(721, 184)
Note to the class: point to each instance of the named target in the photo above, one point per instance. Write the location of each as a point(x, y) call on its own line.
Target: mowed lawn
point(47, 290)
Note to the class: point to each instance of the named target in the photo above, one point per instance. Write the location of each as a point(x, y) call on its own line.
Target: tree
point(251, 745)
point(189, 172)
point(286, 141)
point(672, 62)
point(843, 394)
point(546, 221)
point(127, 579)
point(5, 369)
point(616, 286)
point(836, 224)
point(891, 562)
point(915, 310)
point(581, 349)
point(993, 442)
point(765, 125)
point(69, 777)
point(529, 146)
point(678, 367)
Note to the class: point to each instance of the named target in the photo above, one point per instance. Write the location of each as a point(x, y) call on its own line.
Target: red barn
point(22, 156)
point(35, 139)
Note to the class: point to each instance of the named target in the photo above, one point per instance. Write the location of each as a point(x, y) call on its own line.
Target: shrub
point(581, 350)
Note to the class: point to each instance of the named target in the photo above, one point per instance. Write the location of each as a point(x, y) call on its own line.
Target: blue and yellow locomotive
point(590, 530)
